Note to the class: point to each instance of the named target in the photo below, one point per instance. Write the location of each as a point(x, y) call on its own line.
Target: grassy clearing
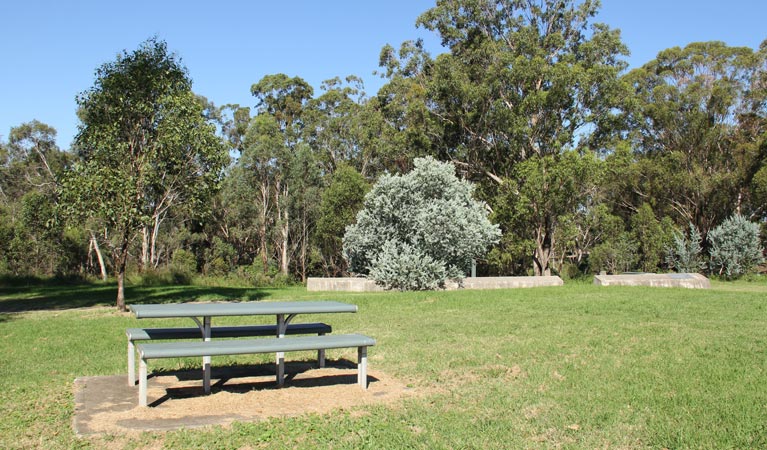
point(575, 367)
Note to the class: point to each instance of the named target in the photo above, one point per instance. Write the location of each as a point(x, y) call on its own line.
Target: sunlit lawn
point(575, 367)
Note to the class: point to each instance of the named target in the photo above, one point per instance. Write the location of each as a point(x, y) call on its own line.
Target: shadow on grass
point(58, 297)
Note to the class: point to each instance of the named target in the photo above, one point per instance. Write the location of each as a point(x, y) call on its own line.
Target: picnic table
point(203, 314)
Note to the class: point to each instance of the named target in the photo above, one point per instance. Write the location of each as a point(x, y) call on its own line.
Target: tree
point(538, 195)
point(402, 120)
point(523, 81)
point(341, 201)
point(653, 237)
point(144, 148)
point(695, 124)
point(419, 229)
point(281, 105)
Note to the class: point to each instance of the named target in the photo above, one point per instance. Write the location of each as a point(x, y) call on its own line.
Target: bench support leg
point(321, 355)
point(282, 325)
point(362, 367)
point(206, 359)
point(142, 382)
point(131, 363)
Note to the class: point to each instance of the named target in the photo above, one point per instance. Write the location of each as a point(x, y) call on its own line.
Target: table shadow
point(226, 378)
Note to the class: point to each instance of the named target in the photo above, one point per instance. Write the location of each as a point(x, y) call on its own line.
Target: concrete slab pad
point(350, 284)
point(681, 280)
point(106, 404)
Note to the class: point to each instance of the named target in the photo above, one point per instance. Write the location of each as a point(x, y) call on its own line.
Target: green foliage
point(541, 193)
point(183, 266)
point(219, 258)
point(652, 236)
point(685, 254)
point(521, 78)
point(341, 201)
point(734, 247)
point(695, 123)
point(400, 266)
point(616, 255)
point(145, 148)
point(427, 213)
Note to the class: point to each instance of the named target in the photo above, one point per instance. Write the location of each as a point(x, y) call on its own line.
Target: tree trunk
point(281, 200)
point(304, 244)
point(99, 256)
point(262, 228)
point(121, 289)
point(121, 262)
point(284, 245)
point(144, 248)
point(542, 256)
point(153, 257)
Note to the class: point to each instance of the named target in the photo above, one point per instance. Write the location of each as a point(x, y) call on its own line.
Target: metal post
point(142, 383)
point(281, 325)
point(206, 359)
point(362, 367)
point(131, 364)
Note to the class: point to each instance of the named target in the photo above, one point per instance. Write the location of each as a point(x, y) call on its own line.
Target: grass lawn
point(578, 366)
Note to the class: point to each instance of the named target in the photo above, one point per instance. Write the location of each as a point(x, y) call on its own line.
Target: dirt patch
point(247, 393)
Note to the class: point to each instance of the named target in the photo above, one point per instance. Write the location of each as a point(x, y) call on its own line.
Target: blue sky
point(50, 49)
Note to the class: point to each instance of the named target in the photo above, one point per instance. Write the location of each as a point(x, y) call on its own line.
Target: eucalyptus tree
point(401, 110)
point(523, 81)
point(144, 147)
point(30, 161)
point(333, 125)
point(31, 165)
point(274, 134)
point(696, 123)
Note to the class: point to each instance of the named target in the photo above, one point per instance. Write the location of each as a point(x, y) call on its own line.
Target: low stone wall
point(365, 285)
point(683, 280)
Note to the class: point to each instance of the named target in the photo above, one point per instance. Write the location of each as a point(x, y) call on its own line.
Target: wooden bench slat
point(250, 346)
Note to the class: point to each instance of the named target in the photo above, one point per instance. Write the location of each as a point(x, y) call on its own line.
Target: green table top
point(239, 309)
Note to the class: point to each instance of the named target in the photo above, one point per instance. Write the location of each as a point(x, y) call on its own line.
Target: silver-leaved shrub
point(419, 229)
point(685, 254)
point(735, 248)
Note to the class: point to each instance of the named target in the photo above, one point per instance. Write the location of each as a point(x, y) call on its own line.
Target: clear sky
point(50, 49)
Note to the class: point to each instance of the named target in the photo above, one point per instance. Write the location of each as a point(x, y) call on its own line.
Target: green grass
point(572, 367)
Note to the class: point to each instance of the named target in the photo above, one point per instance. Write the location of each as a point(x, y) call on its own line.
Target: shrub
point(735, 248)
point(183, 266)
point(614, 256)
point(684, 255)
point(400, 266)
point(419, 229)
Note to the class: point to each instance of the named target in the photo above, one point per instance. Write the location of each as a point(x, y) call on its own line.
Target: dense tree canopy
point(584, 165)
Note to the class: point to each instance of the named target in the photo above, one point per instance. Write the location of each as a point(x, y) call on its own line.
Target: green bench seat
point(251, 346)
point(145, 334)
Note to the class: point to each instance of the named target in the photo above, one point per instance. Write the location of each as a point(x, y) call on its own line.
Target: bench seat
point(252, 346)
point(144, 334)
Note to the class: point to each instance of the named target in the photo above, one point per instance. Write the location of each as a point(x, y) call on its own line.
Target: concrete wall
point(683, 280)
point(365, 285)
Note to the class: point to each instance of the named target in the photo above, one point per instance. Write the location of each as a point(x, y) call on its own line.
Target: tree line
point(584, 164)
